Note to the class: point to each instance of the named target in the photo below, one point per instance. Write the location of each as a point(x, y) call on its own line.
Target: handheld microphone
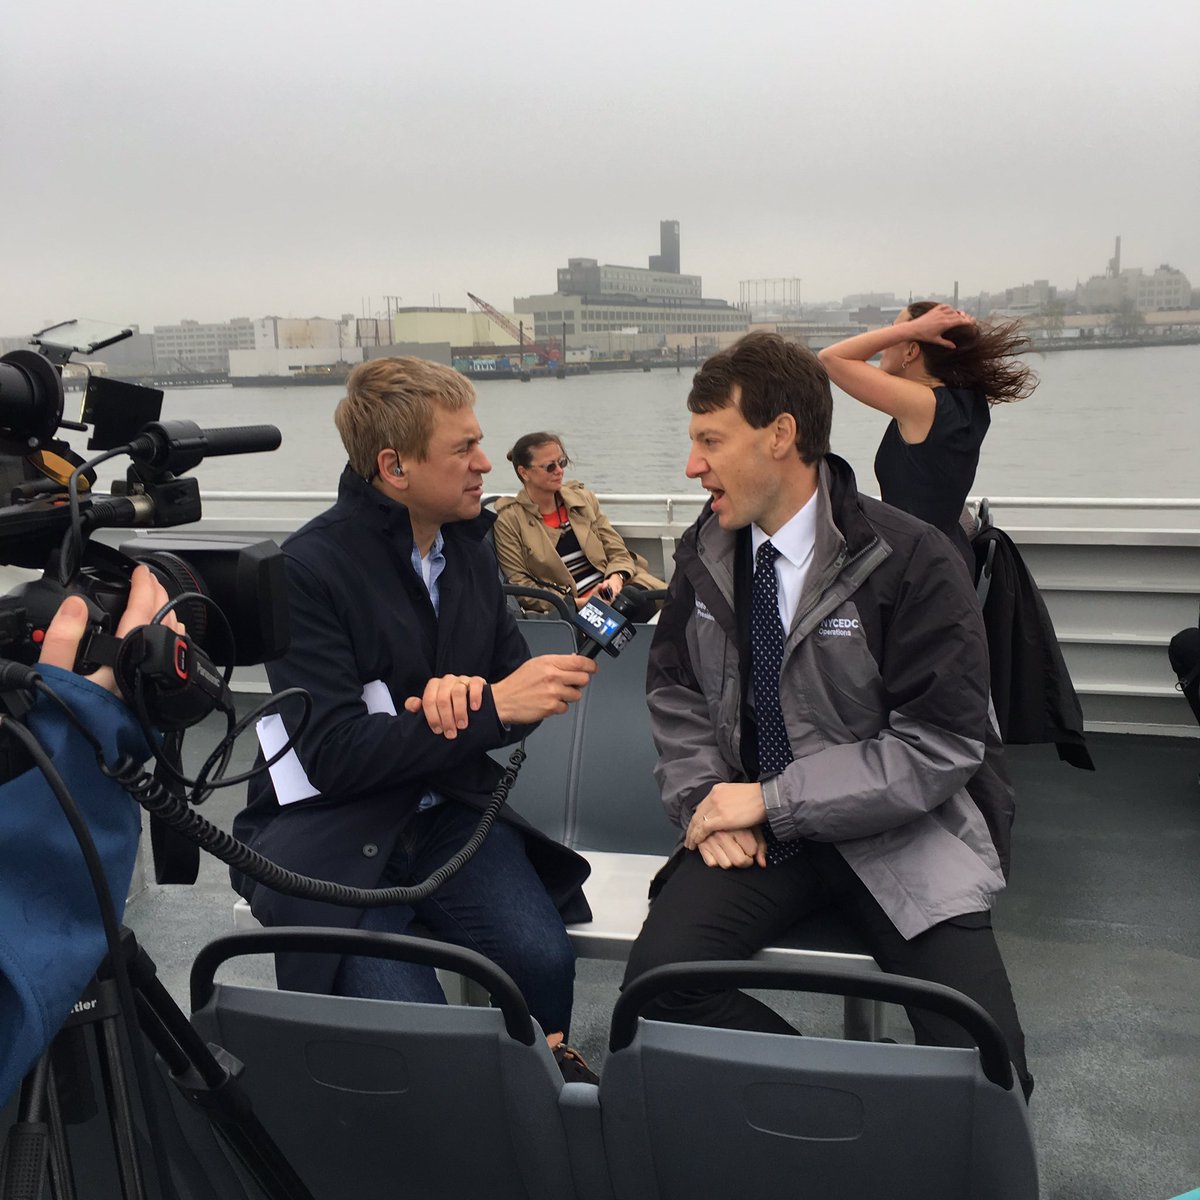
point(606, 626)
point(177, 446)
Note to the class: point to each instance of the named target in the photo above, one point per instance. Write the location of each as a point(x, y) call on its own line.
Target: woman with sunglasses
point(553, 534)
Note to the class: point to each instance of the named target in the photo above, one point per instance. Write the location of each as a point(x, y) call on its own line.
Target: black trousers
point(706, 914)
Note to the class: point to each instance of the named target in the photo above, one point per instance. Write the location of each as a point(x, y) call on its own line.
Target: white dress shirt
point(795, 541)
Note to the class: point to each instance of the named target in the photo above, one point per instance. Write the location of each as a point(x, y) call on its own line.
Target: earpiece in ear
point(398, 470)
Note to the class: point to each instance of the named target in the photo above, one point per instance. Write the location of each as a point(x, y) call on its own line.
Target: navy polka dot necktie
point(766, 657)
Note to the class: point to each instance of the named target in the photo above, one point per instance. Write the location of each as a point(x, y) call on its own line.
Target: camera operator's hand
point(66, 630)
point(541, 687)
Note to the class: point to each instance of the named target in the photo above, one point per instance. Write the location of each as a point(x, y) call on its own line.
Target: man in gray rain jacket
point(871, 783)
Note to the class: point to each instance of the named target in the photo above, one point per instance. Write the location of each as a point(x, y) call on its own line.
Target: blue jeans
point(495, 905)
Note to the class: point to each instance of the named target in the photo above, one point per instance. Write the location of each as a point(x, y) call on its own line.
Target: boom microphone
point(31, 395)
point(606, 626)
point(177, 446)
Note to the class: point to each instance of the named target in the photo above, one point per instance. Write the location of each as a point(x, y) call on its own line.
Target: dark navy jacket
point(1032, 691)
point(359, 613)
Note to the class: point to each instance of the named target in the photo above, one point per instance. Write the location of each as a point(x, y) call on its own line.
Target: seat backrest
point(617, 801)
point(374, 1098)
point(808, 1116)
point(544, 791)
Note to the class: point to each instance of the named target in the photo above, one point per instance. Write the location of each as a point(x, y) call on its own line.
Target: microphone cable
point(176, 811)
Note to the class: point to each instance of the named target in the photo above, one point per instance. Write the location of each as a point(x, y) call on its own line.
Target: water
point(1101, 423)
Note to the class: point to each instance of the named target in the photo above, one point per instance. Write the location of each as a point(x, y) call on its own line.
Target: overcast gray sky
point(297, 158)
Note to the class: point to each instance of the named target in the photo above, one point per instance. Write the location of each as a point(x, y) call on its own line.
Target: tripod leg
point(27, 1149)
point(23, 1166)
point(209, 1081)
point(81, 1081)
point(116, 1093)
point(62, 1179)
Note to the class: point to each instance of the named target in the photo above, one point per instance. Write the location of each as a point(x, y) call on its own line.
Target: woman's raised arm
point(910, 400)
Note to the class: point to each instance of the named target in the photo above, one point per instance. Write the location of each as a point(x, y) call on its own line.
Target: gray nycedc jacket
point(884, 691)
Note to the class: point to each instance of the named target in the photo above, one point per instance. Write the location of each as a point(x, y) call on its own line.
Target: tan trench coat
point(527, 548)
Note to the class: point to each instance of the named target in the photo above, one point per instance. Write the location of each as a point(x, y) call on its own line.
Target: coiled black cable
point(175, 811)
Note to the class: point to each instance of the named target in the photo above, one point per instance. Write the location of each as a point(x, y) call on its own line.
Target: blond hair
point(389, 403)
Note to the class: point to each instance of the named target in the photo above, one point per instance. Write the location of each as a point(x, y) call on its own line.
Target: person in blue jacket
point(51, 936)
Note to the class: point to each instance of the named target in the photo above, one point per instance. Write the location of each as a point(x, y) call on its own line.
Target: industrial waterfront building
point(192, 346)
point(619, 308)
point(454, 327)
point(1163, 289)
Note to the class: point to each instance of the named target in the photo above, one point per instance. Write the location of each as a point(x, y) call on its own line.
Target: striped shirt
point(583, 573)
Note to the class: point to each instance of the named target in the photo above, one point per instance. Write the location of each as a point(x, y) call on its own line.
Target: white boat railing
point(1120, 576)
point(677, 511)
point(1094, 502)
point(667, 499)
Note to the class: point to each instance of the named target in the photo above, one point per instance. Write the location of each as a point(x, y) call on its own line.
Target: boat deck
point(1100, 928)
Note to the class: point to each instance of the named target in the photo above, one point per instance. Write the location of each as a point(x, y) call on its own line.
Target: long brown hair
point(983, 357)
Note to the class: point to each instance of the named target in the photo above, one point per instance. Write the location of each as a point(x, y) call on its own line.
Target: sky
point(161, 161)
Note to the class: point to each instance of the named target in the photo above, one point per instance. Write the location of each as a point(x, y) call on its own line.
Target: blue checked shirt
point(429, 569)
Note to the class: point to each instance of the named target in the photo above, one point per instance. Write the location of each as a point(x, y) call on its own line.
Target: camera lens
point(178, 576)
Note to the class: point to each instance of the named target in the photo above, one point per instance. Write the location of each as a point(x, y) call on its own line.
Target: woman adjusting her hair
point(939, 372)
point(553, 534)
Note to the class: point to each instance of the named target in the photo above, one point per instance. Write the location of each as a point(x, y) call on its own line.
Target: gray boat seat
point(617, 803)
point(375, 1098)
point(541, 793)
point(618, 892)
point(690, 1111)
point(561, 609)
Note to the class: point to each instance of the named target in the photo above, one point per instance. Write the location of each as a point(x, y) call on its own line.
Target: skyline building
point(667, 259)
point(639, 307)
point(197, 346)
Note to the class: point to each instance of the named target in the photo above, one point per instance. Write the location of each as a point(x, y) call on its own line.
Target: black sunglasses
point(563, 463)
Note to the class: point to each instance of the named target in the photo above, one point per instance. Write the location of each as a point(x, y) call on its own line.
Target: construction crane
point(547, 352)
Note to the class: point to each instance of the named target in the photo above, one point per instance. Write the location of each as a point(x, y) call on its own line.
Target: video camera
point(237, 609)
